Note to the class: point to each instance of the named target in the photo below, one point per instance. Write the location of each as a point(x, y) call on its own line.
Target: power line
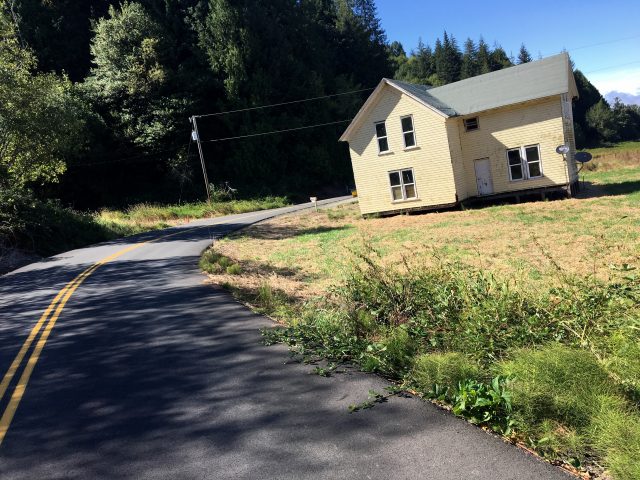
point(614, 66)
point(145, 157)
point(284, 103)
point(275, 131)
point(603, 43)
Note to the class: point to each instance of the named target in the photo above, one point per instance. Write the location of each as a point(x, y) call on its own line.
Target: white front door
point(483, 176)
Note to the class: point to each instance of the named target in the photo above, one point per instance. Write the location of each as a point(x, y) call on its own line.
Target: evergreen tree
point(438, 63)
point(626, 120)
point(589, 96)
point(397, 55)
point(523, 55)
point(449, 60)
point(498, 59)
point(425, 62)
point(483, 57)
point(469, 67)
point(601, 119)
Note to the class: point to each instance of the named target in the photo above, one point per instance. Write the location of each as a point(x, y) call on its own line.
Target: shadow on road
point(132, 372)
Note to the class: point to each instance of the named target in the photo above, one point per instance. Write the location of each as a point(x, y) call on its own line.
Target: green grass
point(435, 371)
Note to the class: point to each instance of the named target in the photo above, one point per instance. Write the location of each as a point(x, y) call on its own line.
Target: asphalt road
point(150, 373)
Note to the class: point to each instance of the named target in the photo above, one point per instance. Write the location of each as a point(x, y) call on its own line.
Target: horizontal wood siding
point(536, 122)
point(431, 160)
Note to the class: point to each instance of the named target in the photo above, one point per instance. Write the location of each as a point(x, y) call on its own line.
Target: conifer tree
point(469, 67)
point(499, 59)
point(449, 61)
point(524, 56)
point(424, 62)
point(483, 57)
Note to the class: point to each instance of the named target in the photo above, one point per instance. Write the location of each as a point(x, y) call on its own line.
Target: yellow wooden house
point(415, 147)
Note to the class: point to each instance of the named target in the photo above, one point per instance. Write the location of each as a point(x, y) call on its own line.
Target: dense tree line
point(137, 70)
point(96, 95)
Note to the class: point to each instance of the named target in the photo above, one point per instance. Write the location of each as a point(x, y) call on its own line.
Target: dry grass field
point(597, 233)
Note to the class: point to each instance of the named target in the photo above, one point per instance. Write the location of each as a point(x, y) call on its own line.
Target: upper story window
point(524, 162)
point(407, 131)
point(403, 186)
point(470, 124)
point(381, 134)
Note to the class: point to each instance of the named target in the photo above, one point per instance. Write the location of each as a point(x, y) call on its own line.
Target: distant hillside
point(625, 98)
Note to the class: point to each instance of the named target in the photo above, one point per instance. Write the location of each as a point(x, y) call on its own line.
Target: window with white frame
point(381, 135)
point(524, 162)
point(408, 132)
point(403, 186)
point(470, 124)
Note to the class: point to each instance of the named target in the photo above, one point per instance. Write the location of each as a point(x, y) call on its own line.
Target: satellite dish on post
point(583, 157)
point(562, 149)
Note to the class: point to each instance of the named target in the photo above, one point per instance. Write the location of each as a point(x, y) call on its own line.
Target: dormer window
point(408, 132)
point(381, 135)
point(470, 124)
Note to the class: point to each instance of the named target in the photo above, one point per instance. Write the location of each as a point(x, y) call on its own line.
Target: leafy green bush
point(436, 372)
point(319, 334)
point(557, 383)
point(485, 403)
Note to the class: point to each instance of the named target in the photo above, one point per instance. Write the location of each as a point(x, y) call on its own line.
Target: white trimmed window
point(403, 186)
point(407, 131)
point(381, 135)
point(470, 124)
point(524, 162)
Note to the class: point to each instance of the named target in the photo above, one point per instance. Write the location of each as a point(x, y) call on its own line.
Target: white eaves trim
point(357, 120)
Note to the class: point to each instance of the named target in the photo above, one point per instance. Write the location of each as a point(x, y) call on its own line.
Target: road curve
point(149, 373)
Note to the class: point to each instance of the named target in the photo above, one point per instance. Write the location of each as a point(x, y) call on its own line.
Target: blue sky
point(545, 27)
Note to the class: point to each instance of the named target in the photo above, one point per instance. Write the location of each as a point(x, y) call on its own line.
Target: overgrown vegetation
point(540, 368)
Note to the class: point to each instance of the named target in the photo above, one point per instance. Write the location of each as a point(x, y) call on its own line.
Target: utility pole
point(196, 136)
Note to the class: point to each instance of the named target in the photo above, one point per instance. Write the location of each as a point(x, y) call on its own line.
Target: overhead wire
point(275, 131)
point(614, 66)
point(283, 103)
point(602, 43)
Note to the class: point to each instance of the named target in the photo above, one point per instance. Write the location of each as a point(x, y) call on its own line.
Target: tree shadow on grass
point(595, 190)
point(268, 231)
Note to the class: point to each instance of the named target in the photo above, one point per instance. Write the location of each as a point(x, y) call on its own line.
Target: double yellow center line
point(48, 321)
point(49, 317)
